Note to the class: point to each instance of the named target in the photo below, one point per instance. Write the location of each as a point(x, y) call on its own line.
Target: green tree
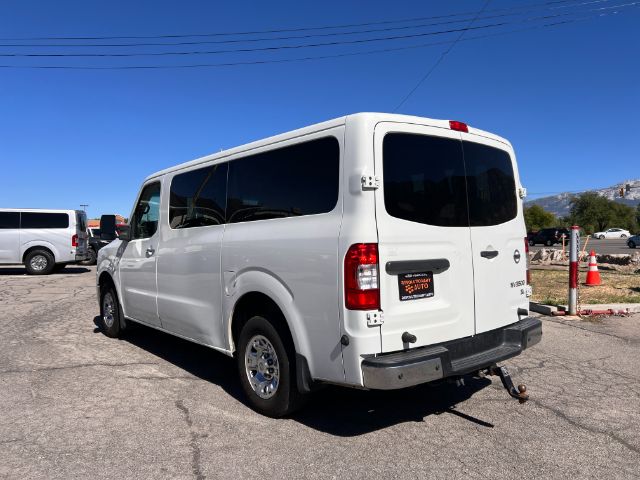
point(536, 217)
point(594, 212)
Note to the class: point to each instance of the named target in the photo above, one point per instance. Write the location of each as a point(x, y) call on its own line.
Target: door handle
point(489, 253)
point(150, 251)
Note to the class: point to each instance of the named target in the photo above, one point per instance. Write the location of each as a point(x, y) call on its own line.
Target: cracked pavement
point(78, 404)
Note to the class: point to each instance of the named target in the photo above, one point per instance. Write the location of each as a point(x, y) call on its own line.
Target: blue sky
point(567, 97)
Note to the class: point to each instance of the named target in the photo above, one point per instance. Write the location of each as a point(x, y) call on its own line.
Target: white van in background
point(43, 240)
point(374, 251)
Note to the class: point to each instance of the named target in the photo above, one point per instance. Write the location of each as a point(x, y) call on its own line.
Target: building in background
point(95, 222)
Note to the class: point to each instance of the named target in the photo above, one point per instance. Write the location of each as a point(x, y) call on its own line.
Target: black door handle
point(489, 253)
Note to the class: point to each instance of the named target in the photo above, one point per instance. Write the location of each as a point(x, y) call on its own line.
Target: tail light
point(526, 254)
point(361, 291)
point(74, 241)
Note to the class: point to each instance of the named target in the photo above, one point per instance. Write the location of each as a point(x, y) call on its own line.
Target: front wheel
point(266, 368)
point(110, 312)
point(601, 237)
point(623, 236)
point(548, 243)
point(631, 244)
point(531, 243)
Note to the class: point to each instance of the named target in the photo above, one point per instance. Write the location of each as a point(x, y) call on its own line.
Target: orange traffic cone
point(593, 275)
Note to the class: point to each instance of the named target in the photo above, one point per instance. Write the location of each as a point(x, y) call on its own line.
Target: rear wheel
point(531, 243)
point(110, 312)
point(39, 262)
point(601, 237)
point(623, 236)
point(266, 368)
point(93, 257)
point(548, 243)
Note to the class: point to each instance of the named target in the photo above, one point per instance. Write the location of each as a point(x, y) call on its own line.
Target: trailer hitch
point(519, 393)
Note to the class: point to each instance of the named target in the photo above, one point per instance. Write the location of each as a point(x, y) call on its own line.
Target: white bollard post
point(574, 246)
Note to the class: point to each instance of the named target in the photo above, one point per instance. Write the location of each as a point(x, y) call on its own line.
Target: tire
point(58, 267)
point(93, 258)
point(39, 262)
point(531, 243)
point(601, 237)
point(548, 243)
point(623, 236)
point(111, 318)
point(631, 244)
point(258, 336)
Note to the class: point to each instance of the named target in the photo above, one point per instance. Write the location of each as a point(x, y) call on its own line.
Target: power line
point(299, 59)
point(440, 59)
point(308, 45)
point(295, 37)
point(282, 30)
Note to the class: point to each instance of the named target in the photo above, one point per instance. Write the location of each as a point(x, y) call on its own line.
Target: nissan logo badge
point(516, 256)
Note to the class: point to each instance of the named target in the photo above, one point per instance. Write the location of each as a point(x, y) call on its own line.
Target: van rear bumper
point(457, 357)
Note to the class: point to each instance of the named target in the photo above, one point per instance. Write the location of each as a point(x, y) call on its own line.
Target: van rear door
point(497, 232)
point(81, 232)
point(424, 239)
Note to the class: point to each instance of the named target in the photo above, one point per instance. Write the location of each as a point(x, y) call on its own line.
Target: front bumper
point(458, 357)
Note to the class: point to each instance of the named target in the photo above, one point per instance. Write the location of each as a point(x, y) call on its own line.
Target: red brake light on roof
point(361, 290)
point(458, 126)
point(74, 241)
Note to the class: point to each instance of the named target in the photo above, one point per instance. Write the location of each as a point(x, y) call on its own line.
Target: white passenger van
point(374, 251)
point(43, 240)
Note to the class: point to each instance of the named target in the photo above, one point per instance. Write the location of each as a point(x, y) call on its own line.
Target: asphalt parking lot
point(78, 404)
point(605, 246)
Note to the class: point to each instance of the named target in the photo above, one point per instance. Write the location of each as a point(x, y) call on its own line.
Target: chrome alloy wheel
point(108, 310)
point(261, 364)
point(38, 262)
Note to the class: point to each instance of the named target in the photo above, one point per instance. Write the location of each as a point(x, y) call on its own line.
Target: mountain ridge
point(560, 204)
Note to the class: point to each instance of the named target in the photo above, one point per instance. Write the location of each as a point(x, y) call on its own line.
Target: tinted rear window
point(445, 182)
point(301, 179)
point(9, 220)
point(44, 220)
point(490, 185)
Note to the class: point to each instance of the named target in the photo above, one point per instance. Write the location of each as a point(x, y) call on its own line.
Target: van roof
point(364, 117)
point(41, 210)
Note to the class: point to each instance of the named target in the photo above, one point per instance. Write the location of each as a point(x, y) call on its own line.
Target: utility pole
point(84, 206)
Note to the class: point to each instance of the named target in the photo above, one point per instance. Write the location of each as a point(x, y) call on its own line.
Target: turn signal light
point(74, 241)
point(361, 291)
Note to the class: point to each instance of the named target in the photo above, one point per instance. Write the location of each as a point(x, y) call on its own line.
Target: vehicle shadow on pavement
point(23, 271)
point(348, 412)
point(339, 411)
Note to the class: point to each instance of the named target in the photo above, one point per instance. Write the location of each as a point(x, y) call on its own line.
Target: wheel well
point(256, 303)
point(105, 279)
point(37, 247)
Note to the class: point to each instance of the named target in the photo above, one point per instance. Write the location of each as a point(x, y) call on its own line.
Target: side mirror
point(124, 232)
point(108, 227)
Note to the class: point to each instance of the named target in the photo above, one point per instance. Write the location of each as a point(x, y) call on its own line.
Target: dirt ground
point(550, 287)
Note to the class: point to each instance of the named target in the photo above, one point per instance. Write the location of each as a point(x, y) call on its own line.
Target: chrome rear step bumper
point(458, 357)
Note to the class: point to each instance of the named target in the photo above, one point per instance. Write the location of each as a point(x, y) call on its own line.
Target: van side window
point(9, 220)
point(301, 179)
point(44, 220)
point(198, 197)
point(144, 222)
